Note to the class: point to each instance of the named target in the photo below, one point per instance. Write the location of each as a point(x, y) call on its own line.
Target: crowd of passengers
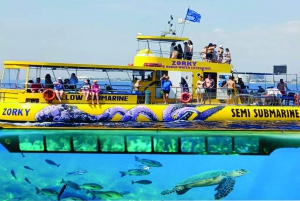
point(60, 86)
point(208, 54)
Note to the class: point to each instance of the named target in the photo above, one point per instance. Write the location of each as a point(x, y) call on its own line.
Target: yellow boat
point(121, 104)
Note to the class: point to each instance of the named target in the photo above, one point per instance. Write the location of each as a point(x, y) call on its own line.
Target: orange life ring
point(47, 97)
point(297, 100)
point(185, 97)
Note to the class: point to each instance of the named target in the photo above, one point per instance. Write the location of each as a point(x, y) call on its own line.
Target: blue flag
point(192, 16)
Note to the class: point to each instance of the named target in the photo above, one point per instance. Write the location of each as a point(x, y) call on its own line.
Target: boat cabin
point(117, 82)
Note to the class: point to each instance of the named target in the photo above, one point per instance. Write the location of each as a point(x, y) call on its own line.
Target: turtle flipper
point(225, 187)
point(183, 191)
point(173, 190)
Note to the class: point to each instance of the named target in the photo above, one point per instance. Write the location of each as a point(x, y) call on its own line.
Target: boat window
point(165, 144)
point(219, 145)
point(142, 75)
point(13, 78)
point(112, 143)
point(139, 144)
point(193, 144)
point(151, 143)
point(58, 143)
point(246, 144)
point(85, 143)
point(33, 142)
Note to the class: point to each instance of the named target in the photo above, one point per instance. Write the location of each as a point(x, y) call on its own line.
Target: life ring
point(297, 100)
point(47, 97)
point(185, 97)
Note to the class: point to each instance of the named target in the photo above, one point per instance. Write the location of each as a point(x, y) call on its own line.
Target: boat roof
point(72, 65)
point(160, 38)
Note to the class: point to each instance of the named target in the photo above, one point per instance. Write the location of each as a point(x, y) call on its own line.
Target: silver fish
point(135, 172)
point(45, 191)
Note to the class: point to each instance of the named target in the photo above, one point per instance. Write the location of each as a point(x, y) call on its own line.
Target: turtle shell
point(201, 177)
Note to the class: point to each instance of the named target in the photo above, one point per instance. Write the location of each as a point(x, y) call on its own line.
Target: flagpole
point(184, 21)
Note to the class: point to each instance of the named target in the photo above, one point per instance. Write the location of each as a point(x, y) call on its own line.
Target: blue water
point(271, 177)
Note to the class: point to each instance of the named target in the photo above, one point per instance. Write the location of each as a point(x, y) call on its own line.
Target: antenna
point(170, 30)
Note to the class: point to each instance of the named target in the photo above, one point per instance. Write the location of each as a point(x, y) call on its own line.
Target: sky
point(258, 33)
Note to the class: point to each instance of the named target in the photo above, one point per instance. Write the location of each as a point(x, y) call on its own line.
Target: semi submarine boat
point(121, 103)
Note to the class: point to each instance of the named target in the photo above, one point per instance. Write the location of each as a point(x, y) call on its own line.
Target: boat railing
point(196, 56)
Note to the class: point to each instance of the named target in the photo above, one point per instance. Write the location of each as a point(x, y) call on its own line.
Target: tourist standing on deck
point(48, 82)
point(59, 89)
point(209, 83)
point(227, 56)
point(203, 54)
point(95, 91)
point(175, 53)
point(73, 81)
point(220, 54)
point(180, 52)
point(281, 86)
point(172, 48)
point(200, 90)
point(189, 51)
point(230, 88)
point(166, 87)
point(137, 85)
point(185, 49)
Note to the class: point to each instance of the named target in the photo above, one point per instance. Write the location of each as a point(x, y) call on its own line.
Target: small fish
point(108, 195)
point(148, 162)
point(79, 172)
point(22, 155)
point(45, 191)
point(27, 180)
point(18, 198)
point(26, 167)
point(124, 192)
point(71, 184)
point(91, 186)
point(135, 172)
point(61, 191)
point(51, 162)
point(143, 167)
point(13, 174)
point(146, 182)
point(72, 198)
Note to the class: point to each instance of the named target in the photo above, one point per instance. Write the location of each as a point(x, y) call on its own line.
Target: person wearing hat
point(95, 91)
point(59, 89)
point(86, 90)
point(220, 54)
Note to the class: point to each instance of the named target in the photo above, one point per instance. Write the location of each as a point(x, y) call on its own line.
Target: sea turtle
point(225, 180)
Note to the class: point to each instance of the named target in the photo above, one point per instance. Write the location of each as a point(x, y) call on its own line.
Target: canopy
point(160, 38)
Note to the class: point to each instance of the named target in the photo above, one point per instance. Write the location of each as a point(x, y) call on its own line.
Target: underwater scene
point(148, 165)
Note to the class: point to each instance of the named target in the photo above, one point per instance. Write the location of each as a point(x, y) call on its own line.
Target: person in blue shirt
point(73, 81)
point(166, 87)
point(59, 89)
